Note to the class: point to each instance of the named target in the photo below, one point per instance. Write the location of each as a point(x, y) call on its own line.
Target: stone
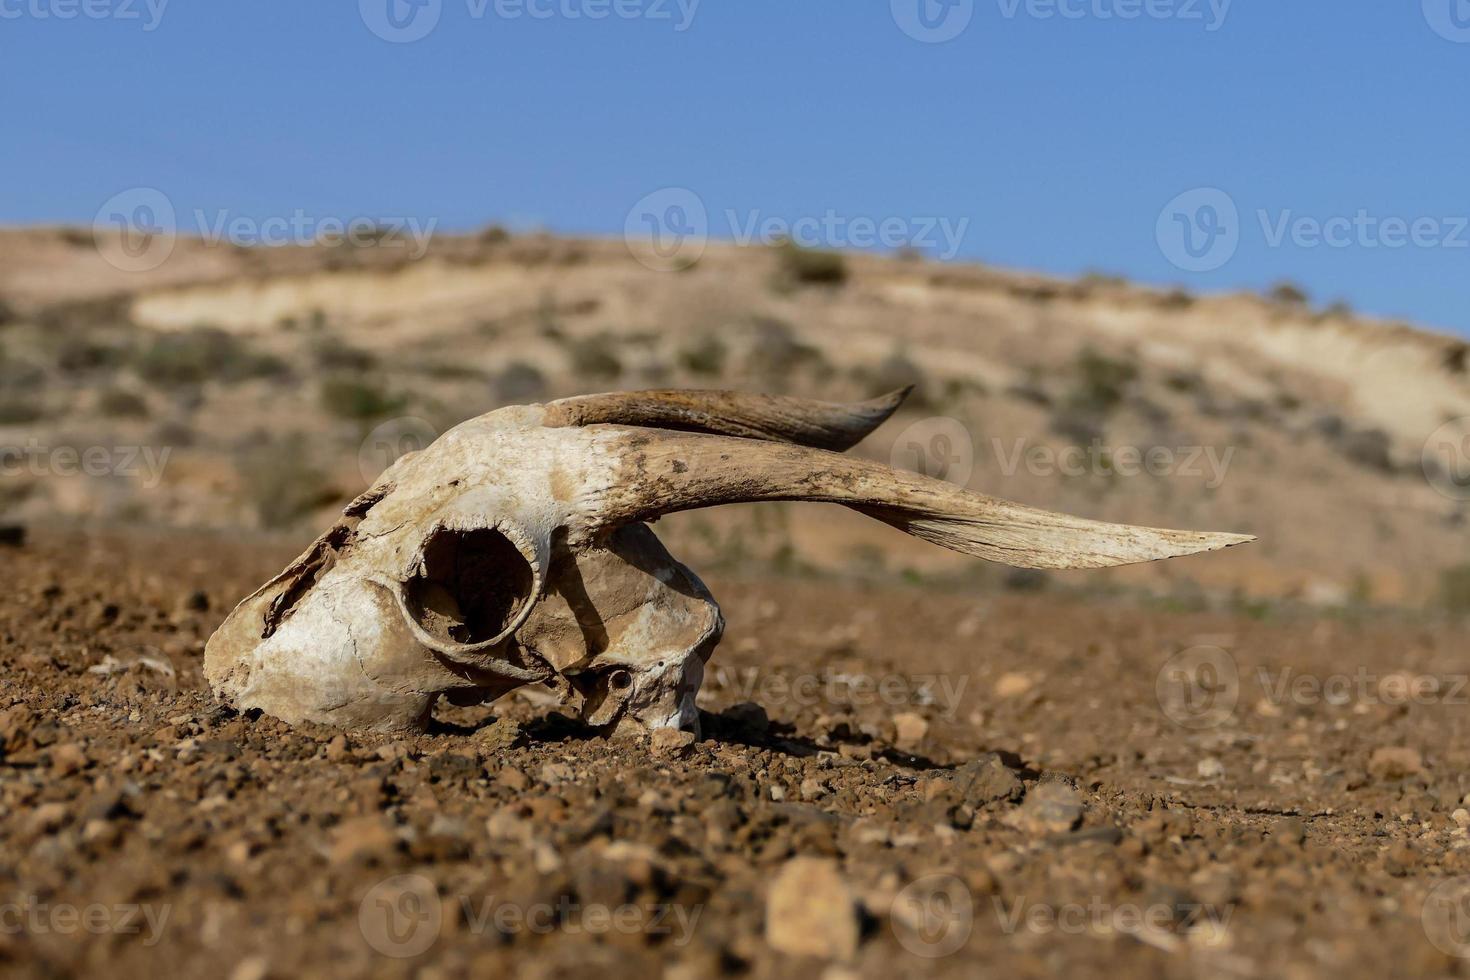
point(811, 911)
point(1397, 762)
point(910, 727)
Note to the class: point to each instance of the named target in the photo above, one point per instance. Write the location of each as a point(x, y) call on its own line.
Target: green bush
point(594, 357)
point(1289, 294)
point(16, 411)
point(122, 404)
point(1454, 589)
point(810, 266)
point(281, 484)
point(358, 398)
point(204, 354)
point(707, 356)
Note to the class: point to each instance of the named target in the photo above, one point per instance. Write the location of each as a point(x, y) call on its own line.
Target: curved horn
point(664, 472)
point(804, 421)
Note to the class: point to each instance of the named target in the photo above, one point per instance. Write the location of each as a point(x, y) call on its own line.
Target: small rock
point(1398, 762)
point(362, 838)
point(501, 736)
point(251, 968)
point(1012, 685)
point(1291, 830)
point(812, 789)
point(911, 727)
point(987, 780)
point(1210, 768)
point(67, 759)
point(1461, 817)
point(1050, 808)
point(338, 750)
point(810, 911)
point(673, 743)
point(47, 818)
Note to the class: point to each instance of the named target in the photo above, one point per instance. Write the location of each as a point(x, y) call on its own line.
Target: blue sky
point(1058, 131)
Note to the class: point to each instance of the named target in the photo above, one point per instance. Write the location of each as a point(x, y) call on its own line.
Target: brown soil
point(1029, 746)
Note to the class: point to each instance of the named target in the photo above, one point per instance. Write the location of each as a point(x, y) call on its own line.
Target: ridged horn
point(666, 472)
point(803, 421)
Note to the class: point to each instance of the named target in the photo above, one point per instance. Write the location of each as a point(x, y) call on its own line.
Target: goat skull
point(514, 550)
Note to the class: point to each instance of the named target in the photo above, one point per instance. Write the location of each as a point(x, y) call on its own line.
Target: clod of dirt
point(910, 728)
point(1050, 808)
point(672, 743)
point(1395, 763)
point(810, 911)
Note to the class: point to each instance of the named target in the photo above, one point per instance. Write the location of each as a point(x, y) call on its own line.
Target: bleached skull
point(515, 550)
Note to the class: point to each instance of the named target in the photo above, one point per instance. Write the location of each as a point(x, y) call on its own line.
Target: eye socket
point(471, 587)
point(620, 680)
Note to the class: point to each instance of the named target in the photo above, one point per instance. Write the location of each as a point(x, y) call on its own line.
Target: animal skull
point(514, 550)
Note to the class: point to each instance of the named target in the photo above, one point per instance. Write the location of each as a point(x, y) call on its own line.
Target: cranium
point(515, 550)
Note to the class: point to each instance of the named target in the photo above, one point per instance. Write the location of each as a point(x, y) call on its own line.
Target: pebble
point(810, 911)
point(911, 727)
point(672, 743)
point(1050, 808)
point(1397, 762)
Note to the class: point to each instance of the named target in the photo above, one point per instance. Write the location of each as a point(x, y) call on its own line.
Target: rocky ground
point(891, 781)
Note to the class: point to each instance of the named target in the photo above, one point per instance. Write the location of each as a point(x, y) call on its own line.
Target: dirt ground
point(946, 784)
